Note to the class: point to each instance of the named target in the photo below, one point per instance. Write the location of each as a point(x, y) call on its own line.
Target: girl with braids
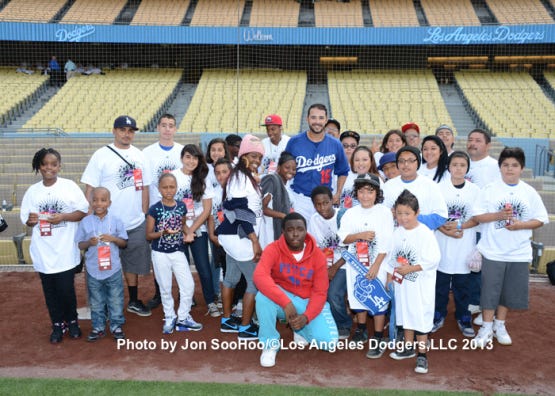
point(194, 190)
point(53, 207)
point(238, 234)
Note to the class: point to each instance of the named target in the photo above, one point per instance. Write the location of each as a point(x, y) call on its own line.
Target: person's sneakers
point(484, 339)
point(74, 330)
point(421, 365)
point(474, 309)
point(344, 333)
point(169, 325)
point(154, 302)
point(230, 325)
point(213, 310)
point(268, 357)
point(299, 339)
point(466, 328)
point(138, 308)
point(478, 320)
point(439, 321)
point(360, 335)
point(405, 353)
point(376, 348)
point(239, 308)
point(188, 324)
point(249, 332)
point(500, 332)
point(118, 334)
point(57, 333)
point(95, 335)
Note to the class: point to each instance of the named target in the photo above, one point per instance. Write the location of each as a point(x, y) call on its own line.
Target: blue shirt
point(316, 162)
point(91, 226)
point(168, 218)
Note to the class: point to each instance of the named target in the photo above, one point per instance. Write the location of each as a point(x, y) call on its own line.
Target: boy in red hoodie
point(292, 282)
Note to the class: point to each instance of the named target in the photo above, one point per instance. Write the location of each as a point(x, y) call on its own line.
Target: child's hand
point(188, 237)
point(257, 249)
point(404, 269)
point(93, 241)
point(171, 232)
point(55, 218)
point(514, 225)
point(33, 219)
point(372, 272)
point(368, 236)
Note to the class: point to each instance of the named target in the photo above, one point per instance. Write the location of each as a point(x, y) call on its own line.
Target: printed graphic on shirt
point(217, 214)
point(165, 166)
point(318, 163)
point(295, 273)
point(519, 211)
point(183, 193)
point(52, 205)
point(458, 210)
point(169, 219)
point(125, 176)
point(405, 255)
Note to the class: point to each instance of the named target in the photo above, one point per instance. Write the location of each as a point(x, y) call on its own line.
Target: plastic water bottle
point(459, 225)
point(508, 206)
point(4, 205)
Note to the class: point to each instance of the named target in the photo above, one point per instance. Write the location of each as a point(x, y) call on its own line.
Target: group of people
point(277, 214)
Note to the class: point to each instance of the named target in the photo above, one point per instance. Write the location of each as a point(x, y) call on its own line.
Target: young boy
point(323, 226)
point(509, 210)
point(101, 235)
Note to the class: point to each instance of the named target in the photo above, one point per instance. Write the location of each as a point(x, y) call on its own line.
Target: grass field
point(29, 386)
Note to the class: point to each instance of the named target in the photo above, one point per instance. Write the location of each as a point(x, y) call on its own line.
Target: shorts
point(135, 258)
point(504, 284)
point(233, 272)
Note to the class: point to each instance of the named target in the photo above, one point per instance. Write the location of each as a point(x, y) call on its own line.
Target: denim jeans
point(336, 298)
point(106, 295)
point(203, 264)
point(59, 294)
point(459, 284)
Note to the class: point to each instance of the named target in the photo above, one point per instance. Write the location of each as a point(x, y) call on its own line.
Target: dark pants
point(199, 250)
point(59, 294)
point(336, 299)
point(459, 284)
point(474, 287)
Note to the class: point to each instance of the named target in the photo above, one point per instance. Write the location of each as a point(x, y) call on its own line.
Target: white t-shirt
point(106, 169)
point(324, 232)
point(460, 205)
point(161, 161)
point(483, 172)
point(57, 252)
point(272, 153)
point(239, 186)
point(415, 297)
point(497, 243)
point(184, 194)
point(430, 199)
point(425, 171)
point(379, 219)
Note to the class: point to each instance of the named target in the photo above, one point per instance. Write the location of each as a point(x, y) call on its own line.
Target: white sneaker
point(213, 310)
point(500, 332)
point(239, 308)
point(474, 309)
point(484, 339)
point(478, 320)
point(299, 339)
point(268, 357)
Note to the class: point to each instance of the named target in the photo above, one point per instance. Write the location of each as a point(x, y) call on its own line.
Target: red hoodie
point(307, 278)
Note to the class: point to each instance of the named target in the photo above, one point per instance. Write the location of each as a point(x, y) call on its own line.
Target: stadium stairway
point(462, 121)
point(315, 93)
point(178, 107)
point(40, 101)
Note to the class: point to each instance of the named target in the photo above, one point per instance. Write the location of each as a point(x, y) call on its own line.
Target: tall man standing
point(318, 156)
point(123, 170)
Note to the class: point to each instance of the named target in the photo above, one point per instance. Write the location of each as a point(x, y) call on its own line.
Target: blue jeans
point(336, 299)
point(459, 284)
point(106, 293)
point(321, 329)
point(203, 264)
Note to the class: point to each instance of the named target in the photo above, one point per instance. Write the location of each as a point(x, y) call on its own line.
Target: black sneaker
point(360, 335)
point(118, 334)
point(421, 365)
point(230, 325)
point(376, 348)
point(95, 335)
point(154, 302)
point(138, 308)
point(74, 330)
point(248, 332)
point(405, 353)
point(57, 333)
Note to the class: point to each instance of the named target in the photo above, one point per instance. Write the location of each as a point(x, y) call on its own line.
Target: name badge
point(104, 263)
point(138, 179)
point(44, 225)
point(397, 277)
point(220, 215)
point(348, 202)
point(190, 208)
point(328, 252)
point(272, 167)
point(362, 253)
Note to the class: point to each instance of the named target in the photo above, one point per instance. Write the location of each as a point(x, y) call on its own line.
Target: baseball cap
point(251, 144)
point(272, 119)
point(410, 125)
point(125, 121)
point(351, 134)
point(444, 126)
point(368, 178)
point(386, 159)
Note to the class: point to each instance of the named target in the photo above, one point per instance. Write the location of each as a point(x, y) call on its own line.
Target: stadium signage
point(501, 34)
point(256, 35)
point(74, 35)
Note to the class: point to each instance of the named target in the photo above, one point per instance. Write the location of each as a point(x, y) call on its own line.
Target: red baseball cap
point(272, 119)
point(410, 125)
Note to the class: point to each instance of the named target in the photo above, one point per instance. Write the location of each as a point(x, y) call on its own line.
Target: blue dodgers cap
point(125, 121)
point(386, 159)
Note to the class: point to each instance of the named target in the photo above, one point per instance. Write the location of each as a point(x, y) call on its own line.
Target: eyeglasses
point(350, 146)
point(407, 161)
